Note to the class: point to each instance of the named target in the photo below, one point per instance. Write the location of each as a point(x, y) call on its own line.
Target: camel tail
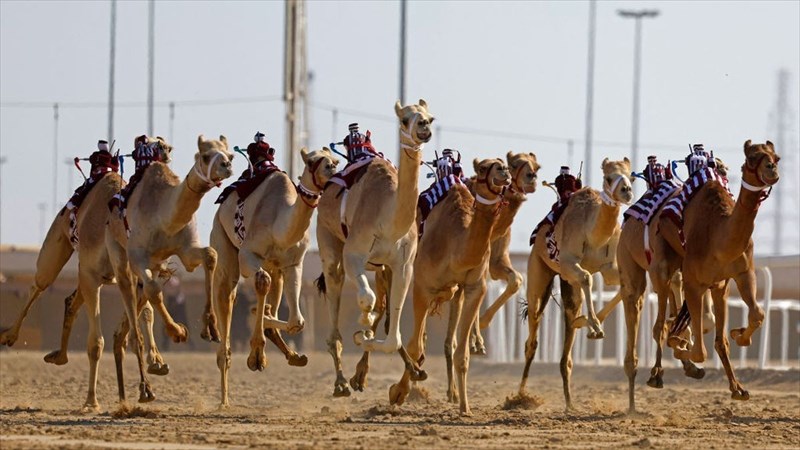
point(523, 311)
point(322, 288)
point(681, 321)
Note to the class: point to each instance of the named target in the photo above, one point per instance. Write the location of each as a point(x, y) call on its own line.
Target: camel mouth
point(424, 135)
point(771, 181)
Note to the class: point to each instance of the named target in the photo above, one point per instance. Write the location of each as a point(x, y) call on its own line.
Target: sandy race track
point(290, 407)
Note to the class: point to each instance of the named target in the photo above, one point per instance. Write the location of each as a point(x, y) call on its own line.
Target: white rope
point(207, 176)
point(405, 134)
point(608, 195)
point(752, 188)
point(486, 201)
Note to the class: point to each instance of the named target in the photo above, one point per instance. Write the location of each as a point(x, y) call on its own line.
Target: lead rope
point(608, 196)
point(207, 176)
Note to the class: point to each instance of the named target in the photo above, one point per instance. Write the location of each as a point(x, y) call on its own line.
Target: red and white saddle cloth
point(244, 186)
point(349, 176)
point(433, 195)
point(675, 206)
point(551, 219)
point(77, 199)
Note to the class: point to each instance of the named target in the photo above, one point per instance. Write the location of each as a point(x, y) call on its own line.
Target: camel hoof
point(740, 394)
point(56, 357)
point(359, 337)
point(257, 360)
point(341, 390)
point(692, 371)
point(737, 335)
point(477, 350)
point(145, 393)
point(180, 335)
point(90, 407)
point(223, 406)
point(8, 337)
point(158, 369)
point(596, 334)
point(419, 375)
point(358, 382)
point(452, 396)
point(656, 381)
point(210, 334)
point(397, 395)
point(296, 360)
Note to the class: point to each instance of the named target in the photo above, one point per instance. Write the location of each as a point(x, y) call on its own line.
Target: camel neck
point(604, 225)
point(477, 241)
point(296, 219)
point(737, 228)
point(506, 215)
point(405, 212)
point(184, 201)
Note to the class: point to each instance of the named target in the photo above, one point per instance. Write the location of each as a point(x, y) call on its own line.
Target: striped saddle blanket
point(551, 219)
point(248, 183)
point(646, 207)
point(675, 206)
point(433, 195)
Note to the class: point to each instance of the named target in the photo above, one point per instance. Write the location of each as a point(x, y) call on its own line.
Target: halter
point(314, 174)
point(405, 134)
point(488, 185)
point(608, 195)
point(499, 201)
point(306, 193)
point(514, 181)
point(206, 177)
point(763, 190)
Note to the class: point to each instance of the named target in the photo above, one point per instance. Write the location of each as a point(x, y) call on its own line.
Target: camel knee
point(566, 365)
point(95, 348)
point(147, 312)
point(262, 282)
point(152, 289)
point(210, 258)
point(366, 298)
point(514, 281)
point(631, 364)
point(224, 359)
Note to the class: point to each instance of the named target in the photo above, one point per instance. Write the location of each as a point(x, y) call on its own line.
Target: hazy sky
point(709, 75)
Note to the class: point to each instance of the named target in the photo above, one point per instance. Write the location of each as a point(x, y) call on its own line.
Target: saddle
point(675, 206)
point(433, 195)
point(247, 182)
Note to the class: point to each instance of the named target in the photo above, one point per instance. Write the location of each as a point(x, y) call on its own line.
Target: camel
point(720, 249)
point(379, 214)
point(276, 216)
point(451, 264)
point(584, 236)
point(523, 168)
point(162, 223)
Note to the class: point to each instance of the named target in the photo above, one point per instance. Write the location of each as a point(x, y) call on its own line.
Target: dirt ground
point(290, 407)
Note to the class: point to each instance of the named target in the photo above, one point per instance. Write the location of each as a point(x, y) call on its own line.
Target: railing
point(507, 334)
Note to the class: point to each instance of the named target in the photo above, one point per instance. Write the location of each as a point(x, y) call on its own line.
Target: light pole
point(3, 160)
point(589, 94)
point(637, 15)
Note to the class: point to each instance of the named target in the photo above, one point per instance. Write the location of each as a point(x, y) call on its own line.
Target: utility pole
point(3, 161)
point(589, 94)
point(111, 63)
point(781, 117)
point(150, 63)
point(294, 78)
point(55, 157)
point(172, 121)
point(637, 66)
point(402, 78)
point(42, 210)
point(69, 163)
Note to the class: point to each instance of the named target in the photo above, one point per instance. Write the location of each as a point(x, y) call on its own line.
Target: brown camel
point(452, 263)
point(379, 214)
point(720, 249)
point(276, 216)
point(162, 223)
point(523, 167)
point(584, 235)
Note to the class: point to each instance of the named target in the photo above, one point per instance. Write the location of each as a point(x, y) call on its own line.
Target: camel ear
point(423, 103)
point(200, 140)
point(477, 166)
point(627, 161)
point(771, 145)
point(398, 108)
point(747, 146)
point(509, 157)
point(603, 164)
point(304, 155)
point(223, 139)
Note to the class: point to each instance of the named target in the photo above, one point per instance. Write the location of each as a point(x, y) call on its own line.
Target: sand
point(288, 407)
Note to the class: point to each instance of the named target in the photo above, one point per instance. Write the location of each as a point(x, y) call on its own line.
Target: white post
point(764, 349)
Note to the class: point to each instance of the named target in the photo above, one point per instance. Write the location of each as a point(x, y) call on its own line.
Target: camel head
point(492, 177)
point(163, 148)
point(524, 169)
point(212, 162)
point(415, 124)
point(617, 181)
point(760, 167)
point(721, 167)
point(320, 167)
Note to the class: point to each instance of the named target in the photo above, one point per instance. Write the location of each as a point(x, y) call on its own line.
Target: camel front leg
point(720, 297)
point(473, 297)
point(416, 345)
point(632, 304)
point(746, 283)
point(456, 306)
point(155, 362)
point(354, 269)
point(540, 283)
point(206, 256)
point(504, 271)
point(72, 304)
point(694, 303)
point(250, 264)
point(402, 273)
point(90, 288)
point(359, 379)
point(572, 272)
point(571, 303)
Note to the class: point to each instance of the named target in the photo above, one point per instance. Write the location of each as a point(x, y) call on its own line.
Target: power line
point(140, 104)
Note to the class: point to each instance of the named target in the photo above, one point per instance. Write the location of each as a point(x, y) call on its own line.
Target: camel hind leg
point(382, 286)
point(503, 270)
point(571, 303)
point(155, 362)
point(206, 256)
point(456, 306)
point(72, 305)
point(274, 301)
point(746, 283)
point(91, 289)
point(226, 278)
point(540, 285)
point(330, 288)
point(54, 254)
point(719, 295)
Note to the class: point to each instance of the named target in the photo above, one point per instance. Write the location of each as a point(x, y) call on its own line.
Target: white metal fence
point(507, 334)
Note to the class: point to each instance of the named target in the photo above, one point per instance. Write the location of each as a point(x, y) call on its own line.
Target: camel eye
point(608, 180)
